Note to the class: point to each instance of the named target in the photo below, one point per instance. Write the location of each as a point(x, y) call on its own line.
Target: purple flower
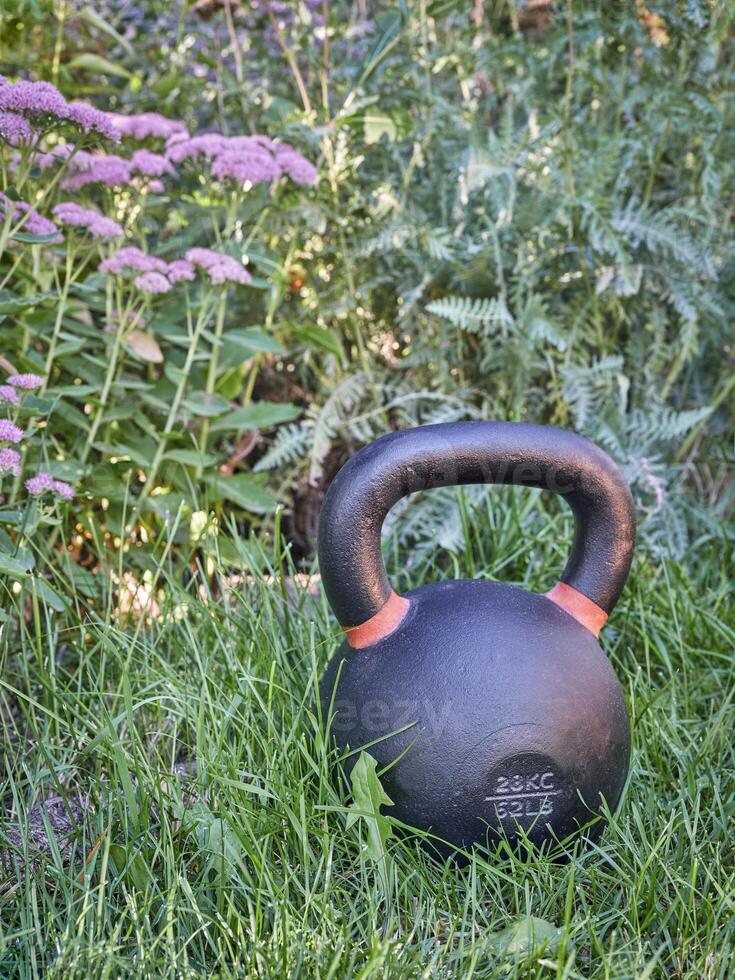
point(63, 490)
point(151, 164)
point(298, 168)
point(10, 431)
point(9, 461)
point(9, 395)
point(35, 223)
point(253, 164)
point(43, 99)
point(220, 268)
point(88, 119)
point(145, 124)
point(180, 270)
point(15, 129)
point(29, 382)
point(130, 258)
point(152, 282)
point(246, 159)
point(34, 98)
point(69, 213)
point(41, 483)
point(208, 144)
point(103, 168)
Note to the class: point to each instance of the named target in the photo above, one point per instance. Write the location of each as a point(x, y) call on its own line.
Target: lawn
point(239, 241)
point(204, 829)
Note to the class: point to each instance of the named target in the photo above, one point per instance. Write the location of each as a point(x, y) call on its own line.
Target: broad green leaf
point(244, 491)
point(98, 21)
point(259, 415)
point(50, 596)
point(222, 848)
point(206, 405)
point(319, 337)
point(378, 124)
point(17, 565)
point(89, 61)
point(368, 796)
point(145, 346)
point(526, 937)
point(190, 457)
point(10, 303)
point(30, 239)
point(254, 339)
point(131, 866)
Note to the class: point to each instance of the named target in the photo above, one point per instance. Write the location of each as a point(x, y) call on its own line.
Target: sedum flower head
point(152, 282)
point(41, 99)
point(9, 395)
point(151, 164)
point(180, 270)
point(9, 461)
point(29, 382)
point(220, 268)
point(34, 223)
point(98, 226)
point(132, 259)
point(44, 483)
point(10, 432)
point(15, 129)
point(145, 125)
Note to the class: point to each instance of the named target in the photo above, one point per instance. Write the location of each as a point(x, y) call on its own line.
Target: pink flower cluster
point(132, 259)
point(15, 129)
point(157, 276)
point(9, 461)
point(98, 226)
point(45, 483)
point(29, 382)
point(9, 395)
point(34, 223)
point(152, 282)
point(40, 100)
point(145, 125)
point(220, 268)
point(10, 432)
point(107, 168)
point(246, 159)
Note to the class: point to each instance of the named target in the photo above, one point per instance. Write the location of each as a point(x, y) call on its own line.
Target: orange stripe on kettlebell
point(584, 610)
point(380, 625)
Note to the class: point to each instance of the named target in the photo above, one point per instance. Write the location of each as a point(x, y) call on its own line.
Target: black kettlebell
point(490, 709)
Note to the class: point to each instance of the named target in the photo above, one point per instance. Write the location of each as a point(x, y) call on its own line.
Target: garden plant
point(238, 241)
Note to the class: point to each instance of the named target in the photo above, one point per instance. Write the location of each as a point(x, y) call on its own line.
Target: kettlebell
point(491, 711)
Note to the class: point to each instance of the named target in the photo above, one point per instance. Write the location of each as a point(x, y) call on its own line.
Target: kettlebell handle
point(449, 454)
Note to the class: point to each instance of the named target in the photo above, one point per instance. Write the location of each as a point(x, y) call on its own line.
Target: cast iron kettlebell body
point(492, 710)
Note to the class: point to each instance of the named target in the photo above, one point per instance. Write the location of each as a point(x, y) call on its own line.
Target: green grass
point(249, 868)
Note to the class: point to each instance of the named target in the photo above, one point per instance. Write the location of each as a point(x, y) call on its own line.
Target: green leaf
point(190, 457)
point(319, 338)
point(131, 866)
point(10, 303)
point(254, 339)
point(30, 239)
point(17, 565)
point(243, 490)
point(378, 124)
point(95, 62)
point(205, 404)
point(222, 848)
point(526, 937)
point(368, 796)
point(50, 596)
point(96, 20)
point(259, 415)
